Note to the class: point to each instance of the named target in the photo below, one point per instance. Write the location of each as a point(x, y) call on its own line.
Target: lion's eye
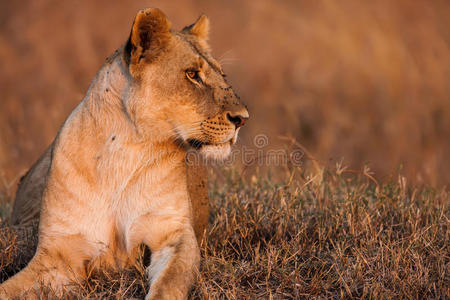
point(193, 75)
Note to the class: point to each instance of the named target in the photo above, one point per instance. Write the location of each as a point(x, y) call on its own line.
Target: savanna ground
point(337, 234)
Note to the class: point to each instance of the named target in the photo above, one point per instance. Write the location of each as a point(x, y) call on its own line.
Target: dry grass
point(340, 237)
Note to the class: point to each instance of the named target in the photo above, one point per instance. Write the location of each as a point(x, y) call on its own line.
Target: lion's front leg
point(175, 253)
point(173, 267)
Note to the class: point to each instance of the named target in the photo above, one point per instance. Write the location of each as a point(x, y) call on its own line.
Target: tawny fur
point(117, 173)
point(27, 203)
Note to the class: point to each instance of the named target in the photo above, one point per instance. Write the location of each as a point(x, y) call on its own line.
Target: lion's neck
point(104, 98)
point(109, 128)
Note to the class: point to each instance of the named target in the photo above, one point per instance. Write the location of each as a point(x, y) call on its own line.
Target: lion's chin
point(216, 152)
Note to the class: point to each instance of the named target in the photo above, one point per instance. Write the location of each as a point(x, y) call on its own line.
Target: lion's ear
point(150, 35)
point(200, 29)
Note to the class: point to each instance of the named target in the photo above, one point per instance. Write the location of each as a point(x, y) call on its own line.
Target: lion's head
point(176, 81)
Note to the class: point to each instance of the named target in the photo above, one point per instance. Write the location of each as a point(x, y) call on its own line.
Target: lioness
point(117, 175)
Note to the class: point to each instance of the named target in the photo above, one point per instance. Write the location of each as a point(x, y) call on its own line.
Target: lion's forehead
point(200, 51)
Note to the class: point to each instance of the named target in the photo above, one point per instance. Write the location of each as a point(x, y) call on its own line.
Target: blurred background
point(363, 81)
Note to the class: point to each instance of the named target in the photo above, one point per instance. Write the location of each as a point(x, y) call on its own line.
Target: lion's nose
point(238, 120)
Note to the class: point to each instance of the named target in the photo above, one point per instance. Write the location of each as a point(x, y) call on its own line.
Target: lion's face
point(198, 106)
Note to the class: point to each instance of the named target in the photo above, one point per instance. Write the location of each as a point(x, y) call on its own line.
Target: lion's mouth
point(217, 151)
point(197, 144)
